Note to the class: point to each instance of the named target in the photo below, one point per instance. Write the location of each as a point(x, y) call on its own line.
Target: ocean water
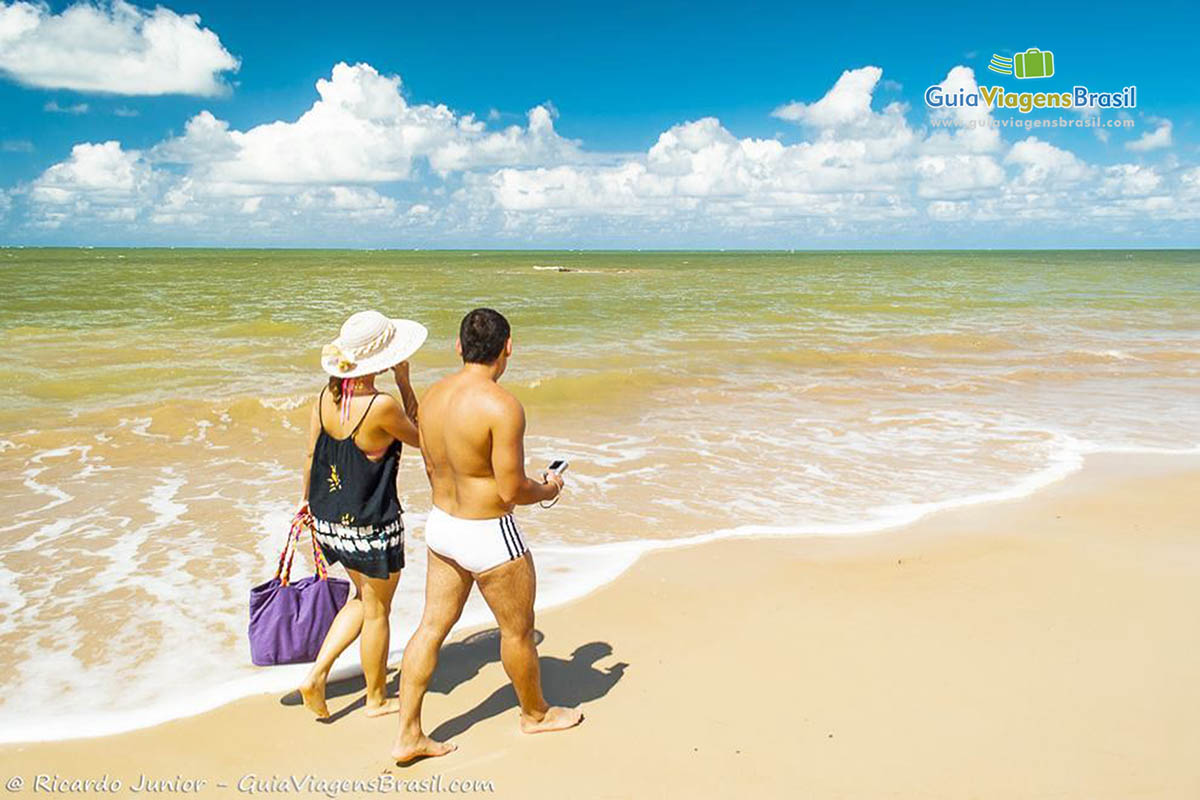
point(153, 403)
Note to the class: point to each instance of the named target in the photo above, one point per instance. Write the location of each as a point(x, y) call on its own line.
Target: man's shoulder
point(494, 399)
point(437, 386)
point(486, 398)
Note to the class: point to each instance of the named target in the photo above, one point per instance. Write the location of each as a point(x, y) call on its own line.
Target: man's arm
point(508, 458)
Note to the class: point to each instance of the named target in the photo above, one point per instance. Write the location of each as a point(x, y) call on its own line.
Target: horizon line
point(784, 250)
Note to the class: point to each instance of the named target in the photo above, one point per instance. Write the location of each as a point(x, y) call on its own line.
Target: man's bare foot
point(312, 691)
point(556, 718)
point(389, 706)
point(404, 752)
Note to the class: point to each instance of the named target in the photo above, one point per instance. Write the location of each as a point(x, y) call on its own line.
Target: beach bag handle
point(302, 520)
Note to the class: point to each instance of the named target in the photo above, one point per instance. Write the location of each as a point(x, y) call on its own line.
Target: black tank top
point(348, 488)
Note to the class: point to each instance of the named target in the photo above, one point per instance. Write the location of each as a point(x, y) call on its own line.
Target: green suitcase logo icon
point(1034, 63)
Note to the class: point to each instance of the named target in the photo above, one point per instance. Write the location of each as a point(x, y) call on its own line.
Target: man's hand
point(554, 479)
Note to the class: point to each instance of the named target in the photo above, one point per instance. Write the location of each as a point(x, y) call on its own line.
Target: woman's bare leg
point(342, 633)
point(377, 596)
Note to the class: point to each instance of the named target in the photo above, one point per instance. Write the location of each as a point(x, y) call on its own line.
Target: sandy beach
point(1043, 647)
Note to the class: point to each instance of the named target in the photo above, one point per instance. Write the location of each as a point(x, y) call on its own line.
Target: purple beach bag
point(288, 621)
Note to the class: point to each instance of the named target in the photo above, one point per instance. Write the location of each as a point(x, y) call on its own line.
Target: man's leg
point(447, 586)
point(509, 591)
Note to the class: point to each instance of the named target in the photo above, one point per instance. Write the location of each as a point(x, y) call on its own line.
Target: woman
point(356, 434)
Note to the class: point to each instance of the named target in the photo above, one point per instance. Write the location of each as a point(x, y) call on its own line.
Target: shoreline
point(622, 556)
point(1013, 649)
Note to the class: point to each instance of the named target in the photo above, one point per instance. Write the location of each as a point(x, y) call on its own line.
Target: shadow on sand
point(565, 682)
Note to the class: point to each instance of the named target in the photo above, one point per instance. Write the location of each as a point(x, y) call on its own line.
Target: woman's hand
point(400, 372)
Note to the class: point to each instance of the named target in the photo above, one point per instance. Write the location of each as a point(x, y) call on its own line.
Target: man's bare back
point(457, 420)
point(473, 443)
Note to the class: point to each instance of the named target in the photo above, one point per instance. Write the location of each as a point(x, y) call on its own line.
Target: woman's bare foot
point(556, 718)
point(312, 691)
point(404, 752)
point(389, 706)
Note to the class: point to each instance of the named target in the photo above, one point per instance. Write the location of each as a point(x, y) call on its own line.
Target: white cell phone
point(558, 466)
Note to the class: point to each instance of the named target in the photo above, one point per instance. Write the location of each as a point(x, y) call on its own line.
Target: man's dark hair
point(483, 333)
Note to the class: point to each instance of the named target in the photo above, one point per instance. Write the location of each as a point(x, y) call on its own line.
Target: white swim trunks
point(476, 545)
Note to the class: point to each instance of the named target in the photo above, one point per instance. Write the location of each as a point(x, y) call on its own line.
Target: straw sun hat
point(369, 342)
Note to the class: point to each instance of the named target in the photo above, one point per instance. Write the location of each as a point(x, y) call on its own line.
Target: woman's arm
point(407, 395)
point(397, 423)
point(401, 424)
point(314, 430)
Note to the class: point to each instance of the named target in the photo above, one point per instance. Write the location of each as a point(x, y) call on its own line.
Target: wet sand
point(1044, 647)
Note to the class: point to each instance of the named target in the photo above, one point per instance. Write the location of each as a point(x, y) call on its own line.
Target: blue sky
point(563, 125)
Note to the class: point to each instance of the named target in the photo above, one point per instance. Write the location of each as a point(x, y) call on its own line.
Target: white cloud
point(317, 168)
point(1129, 180)
point(279, 214)
point(957, 175)
point(361, 130)
point(1189, 182)
point(99, 181)
point(847, 103)
point(852, 166)
point(1042, 163)
point(859, 164)
point(1152, 140)
point(116, 49)
point(536, 143)
point(54, 108)
point(971, 132)
point(363, 161)
point(860, 167)
point(948, 210)
point(693, 165)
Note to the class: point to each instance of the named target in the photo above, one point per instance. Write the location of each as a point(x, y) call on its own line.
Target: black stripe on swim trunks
point(517, 534)
point(509, 528)
point(507, 522)
point(504, 536)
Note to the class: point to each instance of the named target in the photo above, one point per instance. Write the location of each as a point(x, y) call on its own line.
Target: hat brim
point(407, 340)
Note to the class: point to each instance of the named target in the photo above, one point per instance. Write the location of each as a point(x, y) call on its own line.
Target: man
point(472, 440)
